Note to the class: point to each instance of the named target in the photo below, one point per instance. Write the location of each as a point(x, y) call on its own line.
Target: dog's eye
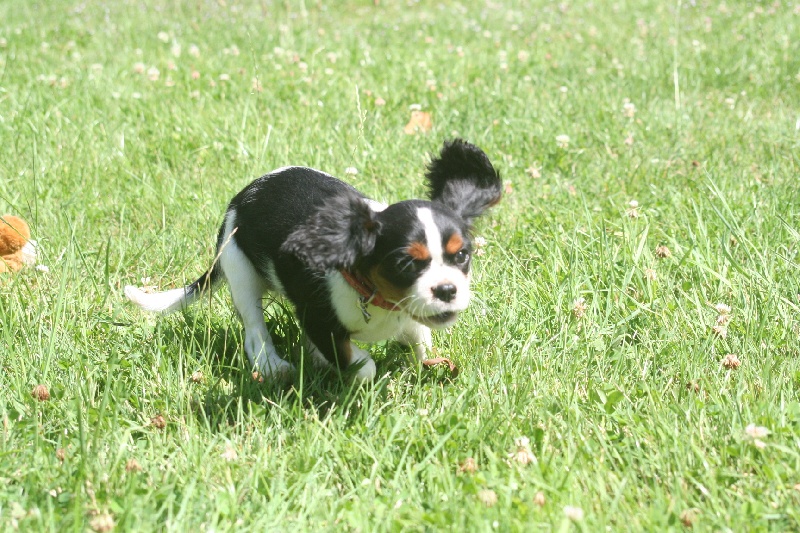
point(461, 257)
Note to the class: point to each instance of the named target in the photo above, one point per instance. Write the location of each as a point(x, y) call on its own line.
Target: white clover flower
point(723, 309)
point(523, 454)
point(229, 454)
point(573, 513)
point(534, 171)
point(629, 109)
point(468, 466)
point(579, 307)
point(756, 432)
point(102, 522)
point(488, 497)
point(562, 140)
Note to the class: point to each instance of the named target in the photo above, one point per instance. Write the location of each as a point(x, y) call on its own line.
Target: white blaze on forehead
point(432, 234)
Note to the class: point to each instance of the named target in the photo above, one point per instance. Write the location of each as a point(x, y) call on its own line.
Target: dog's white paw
point(366, 373)
point(367, 370)
point(274, 369)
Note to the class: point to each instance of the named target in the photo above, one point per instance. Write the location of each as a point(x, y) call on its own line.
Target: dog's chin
point(438, 321)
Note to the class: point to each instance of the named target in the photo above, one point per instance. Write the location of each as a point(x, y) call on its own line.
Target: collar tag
point(362, 303)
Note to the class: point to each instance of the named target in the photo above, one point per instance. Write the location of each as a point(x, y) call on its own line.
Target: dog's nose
point(444, 292)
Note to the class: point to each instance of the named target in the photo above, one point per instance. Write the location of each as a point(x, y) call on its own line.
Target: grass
point(122, 160)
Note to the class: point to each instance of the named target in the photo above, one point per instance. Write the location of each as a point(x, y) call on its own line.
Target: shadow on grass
point(233, 393)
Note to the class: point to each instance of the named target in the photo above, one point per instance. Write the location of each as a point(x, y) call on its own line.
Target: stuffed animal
point(16, 247)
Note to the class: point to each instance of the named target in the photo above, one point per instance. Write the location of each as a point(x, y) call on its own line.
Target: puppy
point(354, 268)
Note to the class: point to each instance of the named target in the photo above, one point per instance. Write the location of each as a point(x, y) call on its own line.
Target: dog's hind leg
point(247, 289)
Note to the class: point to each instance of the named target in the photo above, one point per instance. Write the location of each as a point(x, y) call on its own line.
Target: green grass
point(628, 409)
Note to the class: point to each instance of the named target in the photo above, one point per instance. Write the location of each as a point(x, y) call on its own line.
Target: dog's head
point(417, 253)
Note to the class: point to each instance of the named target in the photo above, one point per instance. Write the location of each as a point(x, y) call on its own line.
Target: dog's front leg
point(418, 337)
point(357, 356)
point(328, 341)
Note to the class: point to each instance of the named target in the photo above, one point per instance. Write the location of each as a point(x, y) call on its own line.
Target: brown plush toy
point(16, 247)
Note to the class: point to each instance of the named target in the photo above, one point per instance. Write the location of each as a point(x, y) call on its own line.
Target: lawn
point(631, 360)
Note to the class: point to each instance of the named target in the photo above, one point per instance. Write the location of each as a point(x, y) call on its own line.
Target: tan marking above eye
point(419, 251)
point(454, 244)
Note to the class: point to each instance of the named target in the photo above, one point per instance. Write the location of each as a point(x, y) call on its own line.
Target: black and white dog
point(353, 268)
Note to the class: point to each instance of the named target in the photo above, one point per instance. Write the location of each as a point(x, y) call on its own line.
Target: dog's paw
point(366, 366)
point(277, 370)
point(366, 373)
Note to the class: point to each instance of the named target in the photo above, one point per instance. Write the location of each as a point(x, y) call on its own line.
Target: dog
point(354, 268)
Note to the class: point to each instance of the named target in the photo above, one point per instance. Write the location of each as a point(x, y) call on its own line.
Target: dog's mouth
point(439, 320)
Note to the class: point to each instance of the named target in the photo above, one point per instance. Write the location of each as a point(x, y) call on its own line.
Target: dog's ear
point(463, 179)
point(342, 231)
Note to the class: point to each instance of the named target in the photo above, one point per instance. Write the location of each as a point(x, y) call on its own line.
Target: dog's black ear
point(463, 179)
point(342, 231)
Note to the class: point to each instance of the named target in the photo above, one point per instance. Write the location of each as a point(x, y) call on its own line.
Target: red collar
point(368, 292)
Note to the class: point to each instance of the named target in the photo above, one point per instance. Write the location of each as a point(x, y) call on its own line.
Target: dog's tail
point(172, 300)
